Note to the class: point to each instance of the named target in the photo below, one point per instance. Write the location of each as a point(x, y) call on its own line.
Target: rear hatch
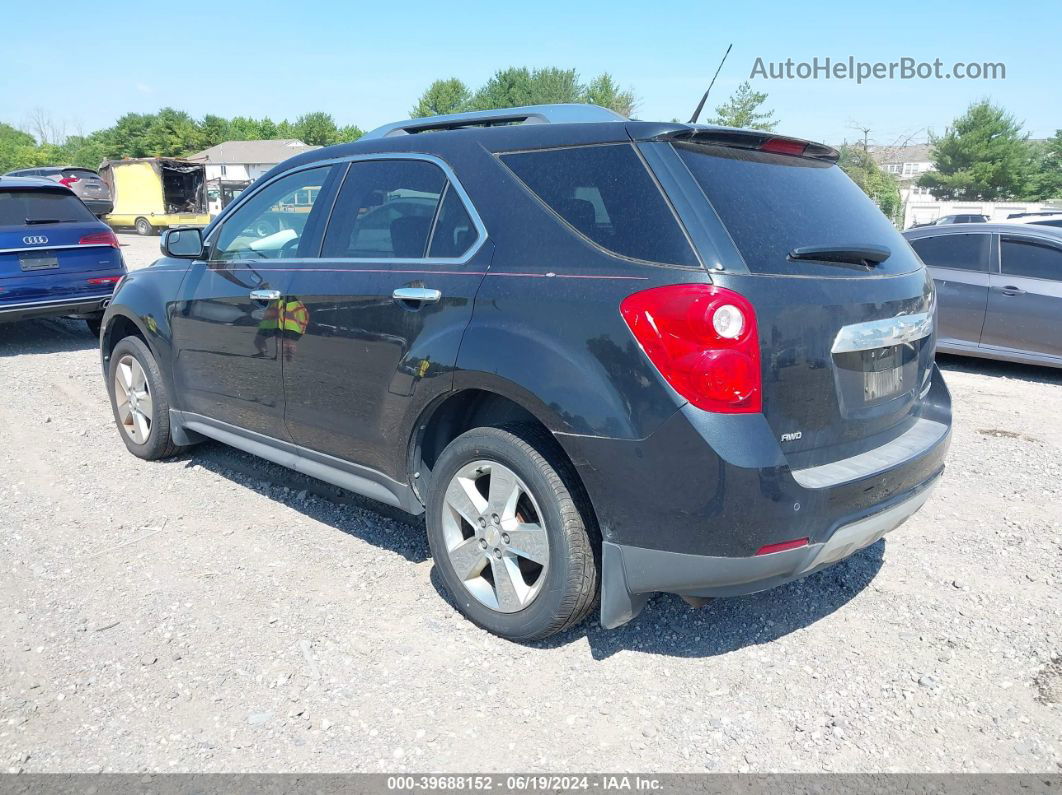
point(86, 184)
point(51, 245)
point(843, 306)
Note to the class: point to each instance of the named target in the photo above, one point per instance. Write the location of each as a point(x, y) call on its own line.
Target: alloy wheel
point(495, 536)
point(132, 396)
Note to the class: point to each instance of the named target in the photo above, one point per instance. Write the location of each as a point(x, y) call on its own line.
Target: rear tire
point(139, 401)
point(144, 227)
point(528, 569)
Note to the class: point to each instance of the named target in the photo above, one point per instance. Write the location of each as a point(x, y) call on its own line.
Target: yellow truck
point(155, 193)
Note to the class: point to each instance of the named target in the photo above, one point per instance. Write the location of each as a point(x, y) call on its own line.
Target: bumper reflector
point(782, 546)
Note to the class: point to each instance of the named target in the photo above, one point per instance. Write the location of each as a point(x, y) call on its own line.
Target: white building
point(247, 160)
point(233, 165)
point(907, 164)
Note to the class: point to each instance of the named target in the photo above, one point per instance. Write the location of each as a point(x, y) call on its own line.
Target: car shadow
point(667, 625)
point(45, 335)
point(996, 368)
point(371, 521)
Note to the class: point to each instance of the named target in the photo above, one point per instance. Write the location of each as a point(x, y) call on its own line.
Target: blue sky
point(367, 63)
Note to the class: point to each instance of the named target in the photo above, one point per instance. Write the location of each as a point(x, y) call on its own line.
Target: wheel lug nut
point(482, 543)
point(505, 538)
point(497, 552)
point(494, 518)
point(482, 522)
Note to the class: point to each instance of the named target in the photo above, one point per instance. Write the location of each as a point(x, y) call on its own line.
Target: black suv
point(600, 355)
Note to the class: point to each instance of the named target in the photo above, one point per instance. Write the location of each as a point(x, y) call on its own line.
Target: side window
point(385, 210)
point(607, 195)
point(273, 221)
point(961, 252)
point(454, 231)
point(1030, 258)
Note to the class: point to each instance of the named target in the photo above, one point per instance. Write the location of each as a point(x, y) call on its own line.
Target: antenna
point(700, 105)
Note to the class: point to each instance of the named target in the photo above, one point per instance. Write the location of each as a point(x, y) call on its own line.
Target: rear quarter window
point(772, 204)
point(26, 207)
point(606, 194)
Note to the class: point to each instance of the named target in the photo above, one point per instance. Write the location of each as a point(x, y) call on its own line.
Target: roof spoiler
point(752, 139)
point(529, 114)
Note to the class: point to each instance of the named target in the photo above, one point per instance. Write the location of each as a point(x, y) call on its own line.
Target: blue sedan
point(56, 257)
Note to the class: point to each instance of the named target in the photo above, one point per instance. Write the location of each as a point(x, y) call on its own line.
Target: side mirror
point(182, 243)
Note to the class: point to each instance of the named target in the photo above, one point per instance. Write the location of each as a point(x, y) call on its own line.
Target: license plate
point(38, 262)
point(882, 373)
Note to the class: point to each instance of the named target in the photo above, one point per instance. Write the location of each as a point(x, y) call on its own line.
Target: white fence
point(926, 210)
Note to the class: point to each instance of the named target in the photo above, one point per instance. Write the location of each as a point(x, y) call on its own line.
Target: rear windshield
point(606, 194)
point(22, 207)
point(80, 172)
point(772, 204)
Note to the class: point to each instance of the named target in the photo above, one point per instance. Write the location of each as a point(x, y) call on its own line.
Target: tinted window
point(22, 207)
point(385, 210)
point(1034, 260)
point(607, 195)
point(272, 222)
point(962, 252)
point(454, 232)
point(772, 204)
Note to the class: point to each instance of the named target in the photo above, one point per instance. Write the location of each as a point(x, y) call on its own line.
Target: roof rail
point(530, 114)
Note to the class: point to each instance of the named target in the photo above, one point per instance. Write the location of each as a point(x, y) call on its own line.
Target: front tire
point(144, 227)
point(139, 401)
point(508, 536)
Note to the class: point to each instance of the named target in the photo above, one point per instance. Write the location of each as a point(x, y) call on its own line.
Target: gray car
point(999, 289)
point(84, 182)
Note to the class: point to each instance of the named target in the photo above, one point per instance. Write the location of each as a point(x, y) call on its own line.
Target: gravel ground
point(218, 613)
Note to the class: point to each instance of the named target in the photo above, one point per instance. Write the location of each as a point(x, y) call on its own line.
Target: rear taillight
point(106, 238)
point(704, 342)
point(105, 280)
point(68, 181)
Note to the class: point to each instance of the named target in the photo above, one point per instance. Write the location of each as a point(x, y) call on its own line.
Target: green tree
point(316, 129)
point(983, 156)
point(604, 91)
point(441, 98)
point(172, 133)
point(17, 148)
point(743, 109)
point(880, 186)
point(517, 86)
point(351, 132)
point(1047, 174)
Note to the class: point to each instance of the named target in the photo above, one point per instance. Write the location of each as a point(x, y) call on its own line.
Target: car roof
point(596, 128)
point(1051, 232)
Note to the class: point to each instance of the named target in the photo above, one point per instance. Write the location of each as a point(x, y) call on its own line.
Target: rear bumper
point(631, 574)
point(82, 305)
point(686, 509)
point(99, 207)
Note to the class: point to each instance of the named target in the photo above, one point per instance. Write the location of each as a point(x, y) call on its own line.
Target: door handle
point(265, 295)
point(1012, 290)
point(420, 295)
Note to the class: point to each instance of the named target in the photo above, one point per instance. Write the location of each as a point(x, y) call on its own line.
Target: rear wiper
point(854, 255)
point(32, 221)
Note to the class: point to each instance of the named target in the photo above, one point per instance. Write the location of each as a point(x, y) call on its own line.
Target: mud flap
point(618, 604)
